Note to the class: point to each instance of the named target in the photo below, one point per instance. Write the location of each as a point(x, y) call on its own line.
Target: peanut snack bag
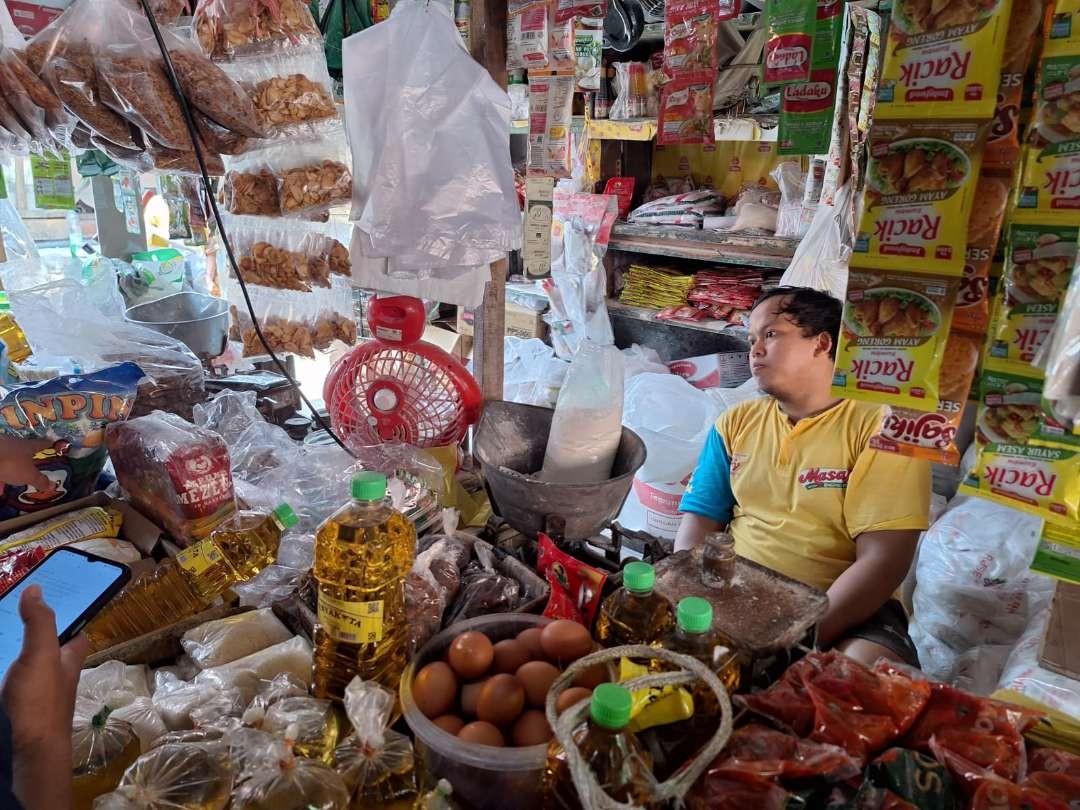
point(1041, 479)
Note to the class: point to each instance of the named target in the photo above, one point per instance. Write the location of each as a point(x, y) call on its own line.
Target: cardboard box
point(454, 343)
point(1061, 645)
point(520, 322)
point(720, 370)
point(139, 530)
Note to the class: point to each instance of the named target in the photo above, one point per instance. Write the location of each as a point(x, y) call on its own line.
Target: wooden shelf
point(735, 334)
point(706, 246)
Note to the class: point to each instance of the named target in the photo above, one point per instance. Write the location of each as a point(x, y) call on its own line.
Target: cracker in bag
point(892, 337)
point(1041, 479)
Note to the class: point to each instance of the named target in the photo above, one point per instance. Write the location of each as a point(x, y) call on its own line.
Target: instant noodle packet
point(920, 190)
point(72, 411)
point(1039, 260)
point(1009, 407)
point(943, 59)
point(892, 337)
point(690, 32)
point(686, 109)
point(1041, 479)
point(790, 44)
point(932, 435)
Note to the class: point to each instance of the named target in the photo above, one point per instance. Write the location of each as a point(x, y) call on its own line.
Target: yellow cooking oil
point(184, 585)
point(363, 552)
point(635, 613)
point(102, 752)
point(11, 334)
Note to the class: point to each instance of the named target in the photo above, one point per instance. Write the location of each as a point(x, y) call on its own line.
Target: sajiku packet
point(892, 337)
point(686, 109)
point(1009, 407)
point(1041, 479)
point(791, 40)
point(943, 60)
point(1003, 142)
point(920, 189)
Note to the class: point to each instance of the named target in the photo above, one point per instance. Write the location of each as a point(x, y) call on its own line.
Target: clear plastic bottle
point(617, 760)
point(190, 582)
point(363, 552)
point(11, 334)
point(634, 614)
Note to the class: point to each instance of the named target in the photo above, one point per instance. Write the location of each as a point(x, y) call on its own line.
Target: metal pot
point(200, 321)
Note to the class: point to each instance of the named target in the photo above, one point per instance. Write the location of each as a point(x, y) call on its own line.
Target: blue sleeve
point(709, 491)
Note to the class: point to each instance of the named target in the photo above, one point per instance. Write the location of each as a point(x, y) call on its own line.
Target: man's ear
point(824, 344)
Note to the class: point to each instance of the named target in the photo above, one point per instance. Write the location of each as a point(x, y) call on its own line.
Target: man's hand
point(692, 530)
point(17, 462)
point(39, 698)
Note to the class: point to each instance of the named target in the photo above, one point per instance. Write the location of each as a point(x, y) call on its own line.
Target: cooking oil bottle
point(188, 583)
point(634, 614)
point(10, 333)
point(363, 552)
point(621, 767)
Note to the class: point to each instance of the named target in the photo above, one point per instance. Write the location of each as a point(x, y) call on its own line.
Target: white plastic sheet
point(433, 186)
point(821, 259)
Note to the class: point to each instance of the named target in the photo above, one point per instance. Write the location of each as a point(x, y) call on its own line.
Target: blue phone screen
point(70, 583)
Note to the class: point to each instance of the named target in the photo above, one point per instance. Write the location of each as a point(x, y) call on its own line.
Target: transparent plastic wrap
point(277, 688)
point(435, 579)
point(251, 192)
point(791, 219)
point(185, 704)
point(287, 255)
point(219, 139)
point(292, 657)
point(133, 83)
point(309, 178)
point(313, 724)
point(223, 641)
point(291, 92)
point(376, 762)
point(102, 748)
point(184, 161)
point(151, 457)
point(39, 110)
point(123, 691)
point(273, 584)
point(484, 590)
point(821, 259)
point(230, 28)
point(1061, 391)
point(174, 776)
point(532, 374)
point(1023, 674)
point(144, 719)
point(280, 780)
point(433, 187)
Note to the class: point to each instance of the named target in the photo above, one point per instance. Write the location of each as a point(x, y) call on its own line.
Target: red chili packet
point(686, 109)
point(575, 586)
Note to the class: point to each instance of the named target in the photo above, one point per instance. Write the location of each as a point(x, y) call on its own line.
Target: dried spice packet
point(686, 104)
point(1009, 407)
point(1041, 479)
point(690, 33)
point(791, 25)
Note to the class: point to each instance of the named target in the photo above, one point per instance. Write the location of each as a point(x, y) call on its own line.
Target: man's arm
point(882, 560)
point(692, 530)
point(708, 502)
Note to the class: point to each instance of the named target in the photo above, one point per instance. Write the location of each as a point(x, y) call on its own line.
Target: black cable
point(322, 423)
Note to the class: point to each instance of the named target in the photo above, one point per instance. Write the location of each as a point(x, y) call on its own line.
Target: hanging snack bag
point(943, 60)
point(576, 588)
point(686, 109)
point(806, 109)
point(228, 28)
point(972, 312)
point(690, 32)
point(932, 435)
point(72, 412)
point(920, 189)
point(1040, 479)
point(791, 25)
point(551, 98)
point(567, 9)
point(1038, 263)
point(892, 337)
point(1003, 142)
point(588, 53)
point(561, 39)
point(1009, 407)
point(527, 36)
point(1052, 156)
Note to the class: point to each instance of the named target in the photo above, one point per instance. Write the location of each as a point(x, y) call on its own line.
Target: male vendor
point(791, 477)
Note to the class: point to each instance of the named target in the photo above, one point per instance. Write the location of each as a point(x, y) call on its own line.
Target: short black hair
point(811, 310)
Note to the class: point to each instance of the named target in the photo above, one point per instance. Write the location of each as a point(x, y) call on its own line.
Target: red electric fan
point(396, 388)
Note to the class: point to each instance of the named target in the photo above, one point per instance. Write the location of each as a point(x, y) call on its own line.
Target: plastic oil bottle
point(11, 334)
point(634, 614)
point(189, 583)
point(363, 552)
point(617, 761)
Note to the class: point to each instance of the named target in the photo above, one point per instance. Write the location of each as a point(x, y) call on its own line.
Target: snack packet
point(972, 312)
point(686, 109)
point(527, 38)
point(588, 53)
point(920, 189)
point(892, 337)
point(228, 28)
point(806, 109)
point(1040, 479)
point(690, 33)
point(567, 9)
point(576, 588)
point(1003, 142)
point(943, 60)
point(1039, 261)
point(551, 97)
point(1009, 407)
point(791, 25)
point(62, 530)
point(71, 411)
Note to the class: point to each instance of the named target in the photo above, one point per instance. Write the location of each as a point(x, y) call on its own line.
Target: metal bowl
point(200, 321)
point(510, 444)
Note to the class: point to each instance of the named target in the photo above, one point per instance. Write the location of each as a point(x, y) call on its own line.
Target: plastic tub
point(484, 777)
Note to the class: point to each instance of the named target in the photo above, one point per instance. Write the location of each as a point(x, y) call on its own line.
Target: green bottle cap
point(610, 706)
point(694, 614)
point(286, 516)
point(369, 486)
point(638, 577)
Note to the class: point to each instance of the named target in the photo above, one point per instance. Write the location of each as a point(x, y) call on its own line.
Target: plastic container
point(484, 777)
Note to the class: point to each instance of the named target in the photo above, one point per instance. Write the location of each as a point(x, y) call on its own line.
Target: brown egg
point(501, 700)
point(565, 641)
point(449, 723)
point(531, 639)
point(537, 677)
point(471, 654)
point(531, 729)
point(482, 733)
point(470, 696)
point(509, 655)
point(434, 689)
point(592, 677)
point(571, 696)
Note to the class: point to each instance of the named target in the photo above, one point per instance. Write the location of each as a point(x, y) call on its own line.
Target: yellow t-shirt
point(797, 496)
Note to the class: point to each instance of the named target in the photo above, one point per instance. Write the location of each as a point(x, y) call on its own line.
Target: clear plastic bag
point(484, 590)
point(229, 28)
point(287, 255)
point(223, 641)
point(280, 780)
point(791, 219)
point(631, 91)
point(311, 723)
point(174, 776)
point(144, 719)
point(309, 178)
point(1061, 391)
point(532, 374)
point(185, 705)
point(292, 657)
point(277, 688)
point(821, 259)
point(35, 104)
point(150, 455)
point(1022, 672)
point(376, 762)
point(102, 747)
point(435, 578)
point(123, 691)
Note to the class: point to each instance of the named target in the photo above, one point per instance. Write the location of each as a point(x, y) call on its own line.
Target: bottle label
point(351, 622)
point(200, 557)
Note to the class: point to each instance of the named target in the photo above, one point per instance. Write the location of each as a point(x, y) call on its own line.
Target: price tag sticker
point(351, 622)
point(200, 557)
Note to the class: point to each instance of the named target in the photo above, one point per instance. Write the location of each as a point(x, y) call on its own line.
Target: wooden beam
point(489, 330)
point(487, 36)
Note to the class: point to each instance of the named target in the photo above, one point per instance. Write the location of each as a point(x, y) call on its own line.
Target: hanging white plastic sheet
point(434, 201)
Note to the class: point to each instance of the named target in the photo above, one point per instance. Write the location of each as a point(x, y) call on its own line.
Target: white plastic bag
point(1023, 674)
point(532, 374)
point(821, 259)
point(643, 360)
point(587, 425)
point(223, 641)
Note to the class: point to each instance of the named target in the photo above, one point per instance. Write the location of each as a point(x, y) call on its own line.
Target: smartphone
point(75, 584)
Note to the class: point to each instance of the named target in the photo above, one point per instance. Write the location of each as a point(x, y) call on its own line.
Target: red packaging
point(728, 9)
point(997, 794)
point(736, 790)
point(686, 109)
point(772, 754)
point(690, 33)
point(1052, 760)
point(622, 189)
point(568, 9)
point(15, 564)
point(575, 587)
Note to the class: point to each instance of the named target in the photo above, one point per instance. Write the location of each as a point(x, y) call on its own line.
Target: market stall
point(359, 572)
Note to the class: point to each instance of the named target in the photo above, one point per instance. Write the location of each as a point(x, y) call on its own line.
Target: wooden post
point(487, 43)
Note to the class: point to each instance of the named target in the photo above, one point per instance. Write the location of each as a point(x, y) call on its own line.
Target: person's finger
point(72, 656)
point(38, 480)
point(34, 446)
point(39, 625)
